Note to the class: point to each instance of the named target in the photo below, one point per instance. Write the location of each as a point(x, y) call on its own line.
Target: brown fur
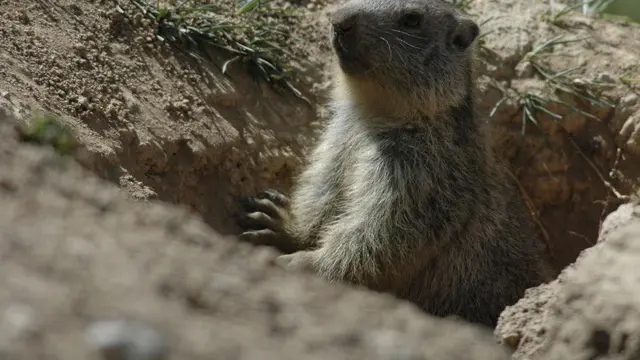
point(402, 194)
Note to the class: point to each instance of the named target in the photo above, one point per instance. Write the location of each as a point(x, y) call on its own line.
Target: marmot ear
point(465, 32)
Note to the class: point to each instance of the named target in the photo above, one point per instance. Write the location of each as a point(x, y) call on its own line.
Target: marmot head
point(409, 56)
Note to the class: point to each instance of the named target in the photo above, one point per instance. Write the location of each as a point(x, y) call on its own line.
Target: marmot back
point(402, 193)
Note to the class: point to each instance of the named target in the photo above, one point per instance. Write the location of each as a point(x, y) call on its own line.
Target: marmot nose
point(344, 24)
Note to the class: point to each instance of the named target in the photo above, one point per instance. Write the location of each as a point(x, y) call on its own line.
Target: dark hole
point(601, 341)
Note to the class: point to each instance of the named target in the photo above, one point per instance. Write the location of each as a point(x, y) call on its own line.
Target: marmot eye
point(411, 20)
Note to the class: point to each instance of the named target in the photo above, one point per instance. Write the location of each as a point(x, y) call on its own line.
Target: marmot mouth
point(350, 58)
point(349, 64)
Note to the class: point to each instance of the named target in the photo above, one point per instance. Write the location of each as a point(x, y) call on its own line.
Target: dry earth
point(162, 126)
point(77, 255)
point(592, 310)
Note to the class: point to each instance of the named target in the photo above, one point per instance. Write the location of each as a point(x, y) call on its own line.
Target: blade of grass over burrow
point(200, 25)
point(552, 42)
point(560, 80)
point(247, 6)
point(596, 6)
point(530, 104)
point(497, 105)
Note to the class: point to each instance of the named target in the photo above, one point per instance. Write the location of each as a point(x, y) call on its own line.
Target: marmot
point(403, 194)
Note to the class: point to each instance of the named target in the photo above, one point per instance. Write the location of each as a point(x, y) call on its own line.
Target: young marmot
point(403, 194)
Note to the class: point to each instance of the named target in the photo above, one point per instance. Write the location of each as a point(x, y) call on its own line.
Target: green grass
point(251, 44)
point(605, 9)
point(247, 6)
point(558, 82)
point(463, 5)
point(630, 77)
point(622, 10)
point(48, 130)
point(562, 82)
point(596, 5)
point(532, 104)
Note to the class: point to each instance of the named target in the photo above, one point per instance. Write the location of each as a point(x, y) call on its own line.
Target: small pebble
point(83, 101)
point(126, 340)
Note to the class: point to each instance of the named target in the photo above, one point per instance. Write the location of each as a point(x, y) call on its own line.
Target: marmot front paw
point(262, 219)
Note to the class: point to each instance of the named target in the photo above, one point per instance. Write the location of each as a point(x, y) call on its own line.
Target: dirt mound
point(592, 310)
point(85, 268)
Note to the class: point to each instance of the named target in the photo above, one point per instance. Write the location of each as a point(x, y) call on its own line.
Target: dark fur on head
point(379, 51)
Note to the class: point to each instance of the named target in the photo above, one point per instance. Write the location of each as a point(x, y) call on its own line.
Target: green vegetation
point(596, 6)
point(48, 130)
point(463, 5)
point(624, 10)
point(628, 9)
point(559, 83)
point(255, 45)
point(628, 78)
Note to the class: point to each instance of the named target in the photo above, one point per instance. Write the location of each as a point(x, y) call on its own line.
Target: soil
point(90, 274)
point(162, 126)
point(591, 310)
